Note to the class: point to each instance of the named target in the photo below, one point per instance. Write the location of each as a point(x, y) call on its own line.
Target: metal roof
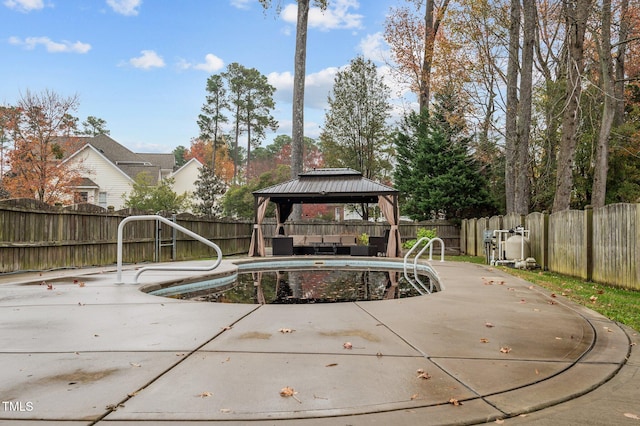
point(327, 186)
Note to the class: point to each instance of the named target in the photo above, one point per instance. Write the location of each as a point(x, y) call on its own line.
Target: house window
point(102, 199)
point(81, 197)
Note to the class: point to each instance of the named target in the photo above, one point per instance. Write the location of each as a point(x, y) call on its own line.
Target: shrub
point(422, 232)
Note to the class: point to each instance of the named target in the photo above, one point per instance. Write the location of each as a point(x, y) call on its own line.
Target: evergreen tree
point(209, 188)
point(435, 173)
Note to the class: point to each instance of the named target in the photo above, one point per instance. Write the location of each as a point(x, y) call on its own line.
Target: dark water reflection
point(310, 286)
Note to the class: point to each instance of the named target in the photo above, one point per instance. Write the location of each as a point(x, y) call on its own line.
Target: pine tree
point(209, 188)
point(435, 173)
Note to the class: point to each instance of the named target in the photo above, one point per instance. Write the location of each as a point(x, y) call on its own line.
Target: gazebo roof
point(321, 186)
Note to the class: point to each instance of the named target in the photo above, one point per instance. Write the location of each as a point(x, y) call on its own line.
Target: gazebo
point(325, 186)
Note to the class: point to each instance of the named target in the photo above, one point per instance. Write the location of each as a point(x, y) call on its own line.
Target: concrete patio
point(489, 347)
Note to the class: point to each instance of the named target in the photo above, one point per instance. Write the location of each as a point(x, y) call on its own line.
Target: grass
point(615, 303)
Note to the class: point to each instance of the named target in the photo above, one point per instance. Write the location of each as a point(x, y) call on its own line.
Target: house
point(110, 169)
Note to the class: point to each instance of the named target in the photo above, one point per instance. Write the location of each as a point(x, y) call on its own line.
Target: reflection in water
point(309, 286)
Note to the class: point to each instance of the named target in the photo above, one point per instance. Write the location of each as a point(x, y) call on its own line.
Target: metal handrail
point(406, 276)
point(164, 268)
point(415, 260)
point(428, 245)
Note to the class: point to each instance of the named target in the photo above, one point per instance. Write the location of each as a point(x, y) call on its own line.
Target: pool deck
point(489, 348)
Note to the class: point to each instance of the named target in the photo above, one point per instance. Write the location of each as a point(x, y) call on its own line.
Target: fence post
point(544, 242)
point(588, 238)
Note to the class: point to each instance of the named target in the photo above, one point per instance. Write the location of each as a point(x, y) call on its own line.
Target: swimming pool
point(292, 281)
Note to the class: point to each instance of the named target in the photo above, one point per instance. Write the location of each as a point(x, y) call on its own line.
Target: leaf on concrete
point(205, 394)
point(484, 340)
point(455, 402)
point(505, 349)
point(488, 325)
point(632, 416)
point(288, 391)
point(347, 345)
point(286, 330)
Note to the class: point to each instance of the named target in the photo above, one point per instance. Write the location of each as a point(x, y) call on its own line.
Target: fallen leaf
point(286, 330)
point(81, 284)
point(379, 354)
point(632, 416)
point(332, 364)
point(347, 345)
point(414, 396)
point(499, 421)
point(455, 402)
point(289, 392)
point(593, 299)
point(425, 376)
point(505, 349)
point(553, 295)
point(225, 410)
point(135, 364)
point(488, 324)
point(205, 394)
point(484, 340)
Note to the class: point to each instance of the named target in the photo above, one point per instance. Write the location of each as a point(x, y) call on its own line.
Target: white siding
point(105, 174)
point(185, 177)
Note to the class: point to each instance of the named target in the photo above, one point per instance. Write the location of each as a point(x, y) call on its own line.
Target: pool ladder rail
point(164, 268)
point(422, 288)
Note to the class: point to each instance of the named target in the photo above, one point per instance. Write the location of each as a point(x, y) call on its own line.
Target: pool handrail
point(406, 276)
point(164, 268)
point(415, 260)
point(429, 244)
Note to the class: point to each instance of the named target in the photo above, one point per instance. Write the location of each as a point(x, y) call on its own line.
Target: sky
point(142, 65)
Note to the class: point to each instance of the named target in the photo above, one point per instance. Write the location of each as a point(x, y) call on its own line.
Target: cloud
point(24, 5)
point(149, 59)
point(374, 47)
point(211, 64)
point(51, 46)
point(337, 16)
point(317, 87)
point(125, 7)
point(241, 4)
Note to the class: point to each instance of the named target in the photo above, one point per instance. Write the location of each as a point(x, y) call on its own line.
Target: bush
point(422, 232)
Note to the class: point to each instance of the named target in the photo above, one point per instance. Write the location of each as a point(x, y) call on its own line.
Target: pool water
point(307, 286)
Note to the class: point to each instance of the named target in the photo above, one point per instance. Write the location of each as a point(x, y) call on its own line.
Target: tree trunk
point(521, 201)
point(623, 34)
point(511, 119)
point(299, 74)
point(601, 167)
point(576, 23)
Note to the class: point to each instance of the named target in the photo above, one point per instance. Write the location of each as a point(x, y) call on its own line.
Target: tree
point(212, 117)
point(299, 76)
point(37, 127)
point(238, 201)
point(279, 153)
point(94, 126)
point(414, 55)
point(355, 133)
point(209, 188)
point(251, 100)
point(435, 174)
point(145, 195)
point(576, 15)
point(179, 153)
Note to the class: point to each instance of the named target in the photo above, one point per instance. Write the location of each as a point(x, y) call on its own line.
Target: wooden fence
point(599, 245)
point(36, 236)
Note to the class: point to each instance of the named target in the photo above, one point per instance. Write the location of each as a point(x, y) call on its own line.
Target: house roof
point(123, 158)
point(164, 161)
point(321, 186)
